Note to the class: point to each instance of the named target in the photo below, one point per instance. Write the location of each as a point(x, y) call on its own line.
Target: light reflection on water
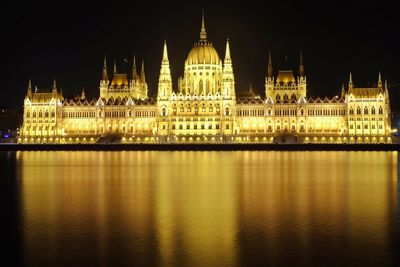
point(208, 208)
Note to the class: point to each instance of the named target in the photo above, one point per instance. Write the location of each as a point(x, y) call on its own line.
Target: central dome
point(203, 53)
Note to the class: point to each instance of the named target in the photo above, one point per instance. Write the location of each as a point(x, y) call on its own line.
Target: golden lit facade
point(205, 108)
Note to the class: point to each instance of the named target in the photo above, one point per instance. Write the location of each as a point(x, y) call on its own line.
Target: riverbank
point(199, 147)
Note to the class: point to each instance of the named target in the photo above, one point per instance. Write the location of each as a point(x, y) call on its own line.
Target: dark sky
point(66, 40)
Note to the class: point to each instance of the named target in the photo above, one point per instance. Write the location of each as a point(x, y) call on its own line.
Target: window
point(358, 110)
point(380, 111)
point(164, 112)
point(351, 112)
point(210, 126)
point(217, 126)
point(227, 112)
point(365, 111)
point(187, 126)
point(373, 110)
point(173, 126)
point(227, 126)
point(195, 126)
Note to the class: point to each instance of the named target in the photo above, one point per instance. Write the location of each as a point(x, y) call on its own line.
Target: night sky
point(67, 40)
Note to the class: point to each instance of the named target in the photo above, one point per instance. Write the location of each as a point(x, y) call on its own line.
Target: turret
point(115, 68)
point(301, 68)
point(54, 90)
point(134, 71)
point(105, 72)
point(269, 79)
point(228, 79)
point(343, 92)
point(165, 80)
point(142, 75)
point(29, 93)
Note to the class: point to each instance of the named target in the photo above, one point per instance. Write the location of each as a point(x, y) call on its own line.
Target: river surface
point(200, 208)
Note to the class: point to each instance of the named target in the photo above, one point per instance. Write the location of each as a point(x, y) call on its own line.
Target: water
point(200, 208)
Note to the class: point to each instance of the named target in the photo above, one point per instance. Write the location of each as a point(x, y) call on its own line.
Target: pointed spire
point(269, 70)
point(134, 71)
point(379, 80)
point(350, 81)
point(105, 73)
point(83, 96)
point(142, 76)
point(227, 51)
point(115, 67)
point(29, 94)
point(54, 86)
point(203, 33)
point(301, 69)
point(343, 92)
point(165, 52)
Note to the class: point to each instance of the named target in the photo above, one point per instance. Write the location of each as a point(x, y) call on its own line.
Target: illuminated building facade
point(205, 108)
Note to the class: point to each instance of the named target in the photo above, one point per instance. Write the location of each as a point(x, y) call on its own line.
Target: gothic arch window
point(53, 114)
point(358, 110)
point(46, 114)
point(373, 110)
point(226, 111)
point(201, 86)
point(28, 114)
point(365, 110)
point(278, 97)
point(163, 112)
point(40, 114)
point(129, 113)
point(100, 114)
point(302, 112)
point(285, 97)
point(351, 112)
point(380, 110)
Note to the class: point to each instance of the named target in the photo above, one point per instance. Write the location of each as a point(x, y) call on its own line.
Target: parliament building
point(204, 108)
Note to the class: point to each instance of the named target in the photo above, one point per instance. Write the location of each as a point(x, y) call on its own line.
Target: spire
point(165, 52)
point(343, 92)
point(105, 73)
point(29, 94)
point(379, 80)
point(269, 70)
point(301, 69)
point(83, 94)
point(227, 51)
point(115, 67)
point(142, 76)
point(54, 86)
point(203, 33)
point(134, 71)
point(350, 81)
point(164, 80)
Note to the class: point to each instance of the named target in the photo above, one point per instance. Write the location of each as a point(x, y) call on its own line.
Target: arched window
point(351, 112)
point(380, 110)
point(365, 111)
point(278, 98)
point(201, 86)
point(46, 114)
point(302, 112)
point(28, 114)
point(373, 110)
point(129, 113)
point(226, 111)
point(53, 114)
point(164, 112)
point(358, 110)
point(100, 114)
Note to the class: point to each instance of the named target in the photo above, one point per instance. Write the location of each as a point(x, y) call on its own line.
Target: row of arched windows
point(366, 111)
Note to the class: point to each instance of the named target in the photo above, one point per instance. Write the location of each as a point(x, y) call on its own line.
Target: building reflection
point(207, 208)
